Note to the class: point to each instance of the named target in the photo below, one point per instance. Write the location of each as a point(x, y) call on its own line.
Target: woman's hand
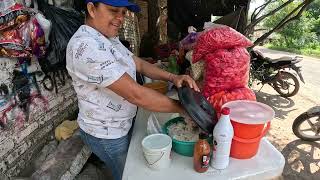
point(179, 80)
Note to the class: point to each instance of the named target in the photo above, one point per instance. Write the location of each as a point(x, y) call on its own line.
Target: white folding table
point(267, 164)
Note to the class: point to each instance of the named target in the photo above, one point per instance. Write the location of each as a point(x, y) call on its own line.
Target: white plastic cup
point(156, 151)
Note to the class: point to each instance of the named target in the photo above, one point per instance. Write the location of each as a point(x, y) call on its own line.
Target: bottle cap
point(225, 111)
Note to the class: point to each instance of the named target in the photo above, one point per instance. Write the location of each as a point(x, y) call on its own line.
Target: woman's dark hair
point(86, 10)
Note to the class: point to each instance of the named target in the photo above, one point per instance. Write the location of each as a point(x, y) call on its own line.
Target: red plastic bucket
point(242, 148)
point(250, 121)
point(247, 131)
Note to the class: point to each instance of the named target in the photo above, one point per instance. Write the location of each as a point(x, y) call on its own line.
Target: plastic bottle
point(173, 66)
point(222, 138)
point(201, 154)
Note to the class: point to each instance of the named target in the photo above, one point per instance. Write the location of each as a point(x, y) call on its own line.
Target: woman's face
point(107, 19)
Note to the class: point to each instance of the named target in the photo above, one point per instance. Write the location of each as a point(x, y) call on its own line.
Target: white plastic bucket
point(156, 151)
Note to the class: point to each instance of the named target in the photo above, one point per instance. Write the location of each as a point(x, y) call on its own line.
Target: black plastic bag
point(64, 24)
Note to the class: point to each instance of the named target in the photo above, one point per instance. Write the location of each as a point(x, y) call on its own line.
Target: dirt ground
point(302, 158)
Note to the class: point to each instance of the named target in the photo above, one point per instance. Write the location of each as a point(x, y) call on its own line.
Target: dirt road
point(302, 158)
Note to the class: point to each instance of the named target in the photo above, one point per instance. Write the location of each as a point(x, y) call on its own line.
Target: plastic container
point(248, 131)
point(222, 135)
point(156, 151)
point(246, 148)
point(181, 147)
point(250, 121)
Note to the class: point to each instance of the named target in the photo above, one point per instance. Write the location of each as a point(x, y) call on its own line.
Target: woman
point(103, 73)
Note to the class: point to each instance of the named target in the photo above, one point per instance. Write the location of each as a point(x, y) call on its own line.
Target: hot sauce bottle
point(201, 154)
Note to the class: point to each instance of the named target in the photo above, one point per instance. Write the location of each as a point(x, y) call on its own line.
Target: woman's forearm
point(144, 97)
point(154, 101)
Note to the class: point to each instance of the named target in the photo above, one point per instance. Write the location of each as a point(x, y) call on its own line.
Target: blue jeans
point(112, 152)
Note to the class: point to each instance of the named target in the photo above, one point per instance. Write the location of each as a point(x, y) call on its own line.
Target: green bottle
point(173, 66)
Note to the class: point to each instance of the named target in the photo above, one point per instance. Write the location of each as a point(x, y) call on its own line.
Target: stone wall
point(20, 140)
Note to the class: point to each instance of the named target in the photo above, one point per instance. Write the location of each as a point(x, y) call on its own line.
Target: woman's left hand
point(179, 80)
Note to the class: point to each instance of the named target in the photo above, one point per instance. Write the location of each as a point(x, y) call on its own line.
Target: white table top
point(267, 164)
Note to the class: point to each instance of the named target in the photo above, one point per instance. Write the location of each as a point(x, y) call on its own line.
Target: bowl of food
point(184, 136)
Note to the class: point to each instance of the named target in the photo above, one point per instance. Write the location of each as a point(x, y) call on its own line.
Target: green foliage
point(314, 9)
point(301, 36)
point(316, 28)
point(305, 51)
point(314, 13)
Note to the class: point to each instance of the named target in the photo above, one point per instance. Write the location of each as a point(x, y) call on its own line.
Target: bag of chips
point(218, 37)
point(226, 69)
point(14, 16)
point(24, 41)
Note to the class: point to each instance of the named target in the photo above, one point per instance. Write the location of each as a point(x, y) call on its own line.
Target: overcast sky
point(255, 3)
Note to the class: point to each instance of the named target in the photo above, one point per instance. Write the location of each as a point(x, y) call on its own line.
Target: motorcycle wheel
point(284, 81)
point(307, 126)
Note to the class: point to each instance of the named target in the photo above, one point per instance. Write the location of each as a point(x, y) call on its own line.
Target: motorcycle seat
point(284, 58)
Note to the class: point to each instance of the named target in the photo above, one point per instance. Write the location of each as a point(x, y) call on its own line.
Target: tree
point(260, 14)
point(314, 10)
point(296, 34)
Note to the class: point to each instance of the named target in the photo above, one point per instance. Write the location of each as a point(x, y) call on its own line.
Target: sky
point(255, 3)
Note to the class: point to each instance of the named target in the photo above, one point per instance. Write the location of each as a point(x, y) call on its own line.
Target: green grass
point(305, 51)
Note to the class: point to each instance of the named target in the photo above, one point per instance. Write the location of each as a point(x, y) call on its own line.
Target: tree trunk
point(243, 21)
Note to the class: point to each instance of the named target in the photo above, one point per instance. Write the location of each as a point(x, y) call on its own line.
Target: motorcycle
point(307, 125)
point(275, 73)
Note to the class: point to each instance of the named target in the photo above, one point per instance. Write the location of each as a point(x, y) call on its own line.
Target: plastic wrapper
point(153, 125)
point(45, 24)
point(218, 37)
point(189, 41)
point(65, 130)
point(197, 68)
point(5, 4)
point(12, 50)
point(220, 98)
point(23, 42)
point(14, 16)
point(226, 69)
point(15, 43)
point(37, 38)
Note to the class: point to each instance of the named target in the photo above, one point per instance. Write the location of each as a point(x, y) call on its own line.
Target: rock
point(47, 150)
point(3, 177)
point(66, 162)
point(90, 172)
